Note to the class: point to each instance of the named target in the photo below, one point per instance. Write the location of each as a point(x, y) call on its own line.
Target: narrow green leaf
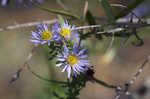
point(45, 79)
point(108, 10)
point(90, 19)
point(64, 13)
point(61, 20)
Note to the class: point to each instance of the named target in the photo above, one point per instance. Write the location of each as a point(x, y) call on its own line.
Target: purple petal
point(83, 62)
point(75, 70)
point(83, 56)
point(56, 27)
point(65, 49)
point(69, 71)
point(49, 43)
point(59, 55)
point(82, 51)
point(45, 27)
point(35, 41)
point(64, 68)
point(43, 42)
point(59, 64)
point(61, 59)
point(35, 35)
point(81, 69)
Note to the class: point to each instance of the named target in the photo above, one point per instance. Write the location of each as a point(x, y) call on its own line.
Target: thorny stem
point(139, 71)
point(132, 81)
point(104, 83)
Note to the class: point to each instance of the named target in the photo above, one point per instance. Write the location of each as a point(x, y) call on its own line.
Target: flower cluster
point(71, 55)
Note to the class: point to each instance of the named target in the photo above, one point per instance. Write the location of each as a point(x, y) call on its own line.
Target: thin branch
point(87, 27)
point(17, 74)
point(48, 22)
point(132, 81)
point(112, 31)
point(28, 24)
point(85, 10)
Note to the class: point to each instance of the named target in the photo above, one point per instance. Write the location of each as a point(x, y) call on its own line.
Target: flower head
point(43, 35)
point(73, 60)
point(66, 31)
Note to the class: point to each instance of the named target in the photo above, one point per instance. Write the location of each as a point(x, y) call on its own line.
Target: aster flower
point(73, 61)
point(66, 31)
point(43, 35)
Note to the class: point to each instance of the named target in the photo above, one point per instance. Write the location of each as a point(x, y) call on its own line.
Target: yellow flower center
point(46, 35)
point(72, 59)
point(65, 32)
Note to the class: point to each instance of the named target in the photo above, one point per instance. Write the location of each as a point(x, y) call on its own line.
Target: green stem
point(104, 83)
point(44, 79)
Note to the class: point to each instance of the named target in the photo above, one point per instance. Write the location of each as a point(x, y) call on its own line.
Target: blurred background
point(115, 66)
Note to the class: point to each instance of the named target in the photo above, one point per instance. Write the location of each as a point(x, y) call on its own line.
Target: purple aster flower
point(66, 31)
point(74, 60)
point(43, 35)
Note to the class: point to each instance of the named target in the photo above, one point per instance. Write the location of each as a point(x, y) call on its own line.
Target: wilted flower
point(73, 60)
point(43, 35)
point(66, 31)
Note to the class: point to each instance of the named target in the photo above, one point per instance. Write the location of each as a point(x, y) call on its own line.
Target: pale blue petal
point(65, 49)
point(49, 43)
point(69, 71)
point(81, 69)
point(45, 27)
point(83, 56)
point(75, 70)
point(43, 42)
point(35, 35)
point(64, 69)
point(59, 64)
point(61, 59)
point(83, 62)
point(35, 41)
point(82, 51)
